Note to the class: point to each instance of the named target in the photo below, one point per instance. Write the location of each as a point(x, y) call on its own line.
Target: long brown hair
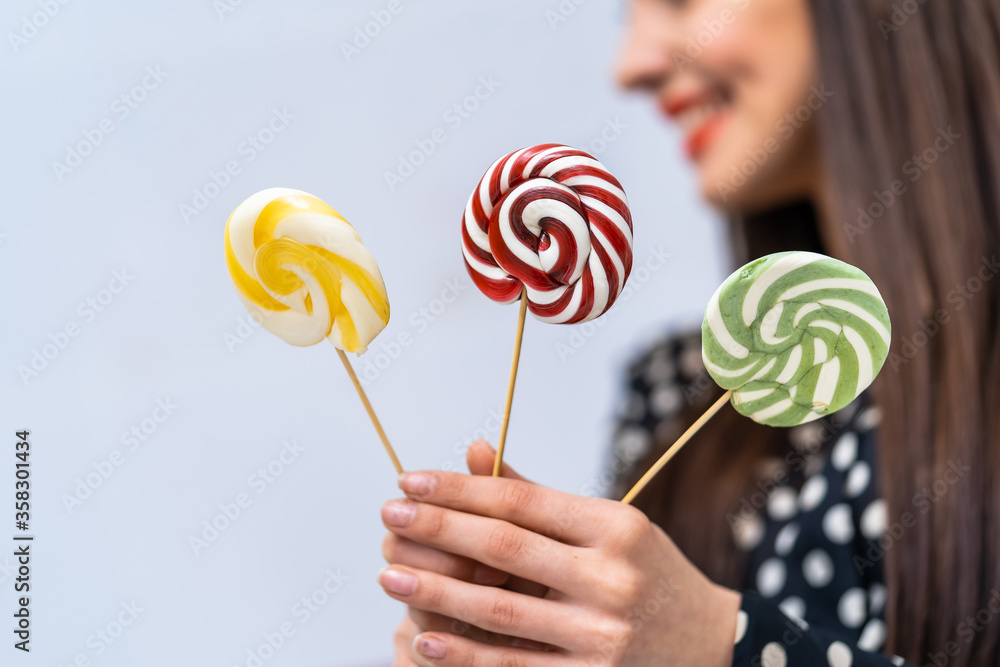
point(910, 143)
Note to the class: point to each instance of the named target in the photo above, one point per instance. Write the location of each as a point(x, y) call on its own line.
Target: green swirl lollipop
point(792, 336)
point(795, 336)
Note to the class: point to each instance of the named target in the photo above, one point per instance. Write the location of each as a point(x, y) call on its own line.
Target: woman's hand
point(620, 592)
point(400, 551)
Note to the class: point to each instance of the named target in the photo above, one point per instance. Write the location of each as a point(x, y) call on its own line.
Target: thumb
point(480, 458)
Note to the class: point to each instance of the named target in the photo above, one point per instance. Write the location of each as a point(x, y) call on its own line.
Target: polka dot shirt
point(813, 594)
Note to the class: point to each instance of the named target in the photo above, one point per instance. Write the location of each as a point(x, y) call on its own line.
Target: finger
point(571, 519)
point(402, 642)
point(496, 543)
point(479, 458)
point(430, 622)
point(486, 607)
point(443, 650)
point(400, 551)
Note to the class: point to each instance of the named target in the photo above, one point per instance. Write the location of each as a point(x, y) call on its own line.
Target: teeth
point(692, 117)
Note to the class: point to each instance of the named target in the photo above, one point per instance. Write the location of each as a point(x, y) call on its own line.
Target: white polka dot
point(781, 503)
point(773, 655)
point(633, 442)
point(794, 607)
point(873, 636)
point(806, 437)
point(665, 399)
point(785, 541)
point(771, 577)
point(748, 532)
point(873, 520)
point(851, 608)
point(839, 655)
point(741, 626)
point(691, 361)
point(817, 568)
point(896, 660)
point(877, 595)
point(845, 452)
point(857, 479)
point(660, 368)
point(813, 492)
point(868, 419)
point(838, 524)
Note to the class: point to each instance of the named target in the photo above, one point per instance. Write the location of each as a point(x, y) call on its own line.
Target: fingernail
point(430, 647)
point(416, 483)
point(397, 581)
point(398, 513)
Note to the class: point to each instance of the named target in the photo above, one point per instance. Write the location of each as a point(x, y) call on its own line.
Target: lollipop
point(792, 337)
point(300, 265)
point(549, 225)
point(550, 222)
point(795, 336)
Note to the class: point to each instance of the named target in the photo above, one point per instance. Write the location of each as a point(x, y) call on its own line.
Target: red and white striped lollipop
point(550, 225)
point(552, 221)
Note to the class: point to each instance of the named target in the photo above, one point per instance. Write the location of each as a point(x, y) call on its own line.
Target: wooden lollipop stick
point(370, 410)
point(676, 447)
point(498, 460)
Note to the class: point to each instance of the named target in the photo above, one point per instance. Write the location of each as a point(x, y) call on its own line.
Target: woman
point(864, 129)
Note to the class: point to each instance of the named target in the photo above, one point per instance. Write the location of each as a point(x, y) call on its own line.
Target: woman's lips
point(700, 137)
point(701, 117)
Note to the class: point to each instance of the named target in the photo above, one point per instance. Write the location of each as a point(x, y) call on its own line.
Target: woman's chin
point(739, 186)
point(719, 189)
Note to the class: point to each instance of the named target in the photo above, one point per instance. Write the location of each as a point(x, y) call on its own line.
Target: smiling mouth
point(701, 119)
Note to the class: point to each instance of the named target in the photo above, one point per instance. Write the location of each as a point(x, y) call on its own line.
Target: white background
point(164, 336)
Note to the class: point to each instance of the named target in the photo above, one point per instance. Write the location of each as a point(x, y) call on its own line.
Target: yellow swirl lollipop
point(301, 267)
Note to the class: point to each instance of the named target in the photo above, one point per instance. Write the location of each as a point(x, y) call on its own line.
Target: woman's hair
point(910, 140)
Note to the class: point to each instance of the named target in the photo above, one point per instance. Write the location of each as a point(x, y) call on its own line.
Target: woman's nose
point(644, 60)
